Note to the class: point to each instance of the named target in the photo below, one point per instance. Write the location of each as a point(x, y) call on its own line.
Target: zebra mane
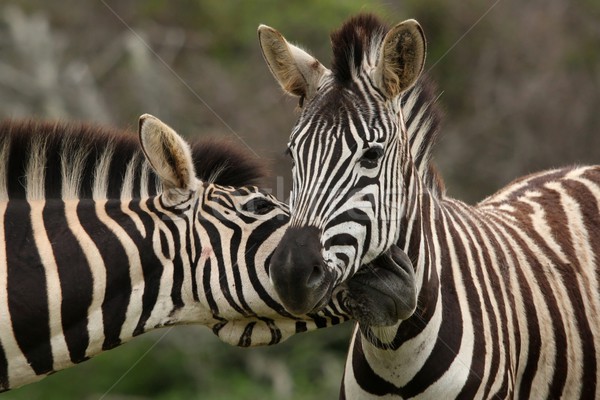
point(44, 159)
point(423, 117)
point(358, 42)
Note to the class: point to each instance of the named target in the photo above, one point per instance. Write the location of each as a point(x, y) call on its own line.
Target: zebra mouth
point(324, 301)
point(308, 301)
point(382, 292)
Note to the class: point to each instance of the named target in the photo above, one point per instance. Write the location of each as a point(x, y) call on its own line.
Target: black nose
point(299, 275)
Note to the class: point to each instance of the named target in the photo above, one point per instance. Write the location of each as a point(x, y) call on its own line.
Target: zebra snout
point(299, 275)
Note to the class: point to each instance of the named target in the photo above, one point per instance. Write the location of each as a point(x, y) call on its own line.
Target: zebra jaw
point(382, 292)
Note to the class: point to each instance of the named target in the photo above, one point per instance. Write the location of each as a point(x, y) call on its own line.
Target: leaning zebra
point(99, 244)
point(508, 302)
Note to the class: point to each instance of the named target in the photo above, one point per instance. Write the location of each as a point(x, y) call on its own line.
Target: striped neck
point(398, 359)
point(396, 347)
point(90, 287)
point(420, 213)
point(417, 228)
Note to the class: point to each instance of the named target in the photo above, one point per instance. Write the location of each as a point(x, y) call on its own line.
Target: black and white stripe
point(97, 246)
point(508, 290)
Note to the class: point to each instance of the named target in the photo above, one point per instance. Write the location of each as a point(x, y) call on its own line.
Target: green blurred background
point(519, 82)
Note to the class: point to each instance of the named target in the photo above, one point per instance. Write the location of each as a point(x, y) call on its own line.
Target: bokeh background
point(519, 83)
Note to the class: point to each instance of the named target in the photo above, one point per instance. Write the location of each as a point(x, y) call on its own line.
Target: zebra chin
point(383, 292)
point(254, 332)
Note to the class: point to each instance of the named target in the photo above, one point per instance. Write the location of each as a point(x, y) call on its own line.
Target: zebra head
point(350, 152)
point(227, 236)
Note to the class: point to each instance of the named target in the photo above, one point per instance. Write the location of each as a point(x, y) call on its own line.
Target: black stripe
point(118, 283)
point(164, 245)
point(176, 259)
point(118, 165)
point(3, 370)
point(152, 268)
point(365, 376)
point(260, 234)
point(497, 324)
point(195, 259)
point(448, 341)
point(26, 288)
point(275, 332)
point(534, 343)
point(334, 320)
point(462, 248)
point(497, 279)
point(234, 246)
point(246, 338)
point(52, 171)
point(88, 173)
point(541, 281)
point(215, 236)
point(301, 326)
point(591, 219)
point(210, 299)
point(76, 281)
point(320, 322)
point(17, 164)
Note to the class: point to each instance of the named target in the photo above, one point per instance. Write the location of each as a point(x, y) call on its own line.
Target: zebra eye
point(371, 156)
point(258, 205)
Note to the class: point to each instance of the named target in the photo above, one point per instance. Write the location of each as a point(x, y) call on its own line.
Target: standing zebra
point(99, 244)
point(508, 292)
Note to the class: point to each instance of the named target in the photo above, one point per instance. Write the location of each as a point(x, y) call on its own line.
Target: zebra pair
point(507, 291)
point(101, 241)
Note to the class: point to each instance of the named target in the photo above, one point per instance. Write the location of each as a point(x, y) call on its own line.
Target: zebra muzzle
point(299, 275)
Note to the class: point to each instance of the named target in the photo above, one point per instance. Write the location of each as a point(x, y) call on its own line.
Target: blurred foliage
point(188, 362)
point(520, 84)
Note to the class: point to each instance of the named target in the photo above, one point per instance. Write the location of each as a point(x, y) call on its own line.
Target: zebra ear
point(168, 154)
point(297, 72)
point(402, 57)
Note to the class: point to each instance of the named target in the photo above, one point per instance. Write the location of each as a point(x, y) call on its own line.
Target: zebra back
point(69, 160)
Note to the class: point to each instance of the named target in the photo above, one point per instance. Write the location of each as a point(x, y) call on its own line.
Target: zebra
point(507, 291)
point(101, 241)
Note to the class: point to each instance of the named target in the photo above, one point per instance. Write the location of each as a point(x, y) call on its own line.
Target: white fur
point(72, 164)
point(136, 274)
point(53, 290)
point(128, 179)
point(36, 169)
point(101, 173)
point(94, 259)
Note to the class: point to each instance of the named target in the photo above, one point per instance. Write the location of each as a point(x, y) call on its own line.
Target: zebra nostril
point(316, 276)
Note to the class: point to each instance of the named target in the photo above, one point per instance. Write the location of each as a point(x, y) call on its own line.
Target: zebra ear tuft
point(168, 154)
point(402, 58)
point(297, 72)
